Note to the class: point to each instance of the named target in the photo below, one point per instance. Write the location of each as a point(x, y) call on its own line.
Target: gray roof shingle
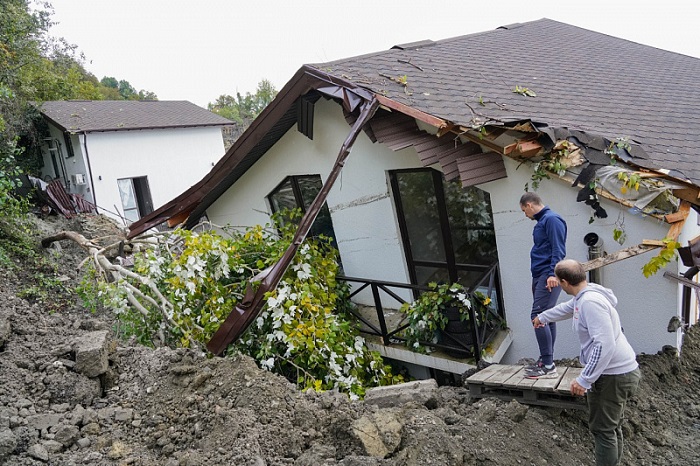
point(116, 115)
point(583, 80)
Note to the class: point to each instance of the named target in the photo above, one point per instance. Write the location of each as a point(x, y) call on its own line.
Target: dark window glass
point(300, 192)
point(447, 230)
point(69, 145)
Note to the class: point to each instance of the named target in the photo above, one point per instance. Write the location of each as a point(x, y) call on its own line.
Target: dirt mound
point(70, 394)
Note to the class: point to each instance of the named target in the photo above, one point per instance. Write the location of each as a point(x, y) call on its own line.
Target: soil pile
point(179, 407)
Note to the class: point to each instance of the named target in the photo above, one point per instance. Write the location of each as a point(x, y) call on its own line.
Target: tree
point(113, 89)
point(184, 284)
point(244, 109)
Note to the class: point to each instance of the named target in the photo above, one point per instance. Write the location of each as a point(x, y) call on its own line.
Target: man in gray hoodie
point(611, 374)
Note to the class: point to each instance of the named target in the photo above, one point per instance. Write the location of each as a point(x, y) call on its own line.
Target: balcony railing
point(390, 331)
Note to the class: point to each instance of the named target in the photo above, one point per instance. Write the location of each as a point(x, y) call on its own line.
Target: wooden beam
point(676, 227)
point(481, 139)
point(412, 112)
point(691, 195)
point(179, 218)
point(617, 256)
point(526, 149)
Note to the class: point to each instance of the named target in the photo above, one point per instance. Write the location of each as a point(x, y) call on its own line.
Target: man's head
point(571, 275)
point(531, 204)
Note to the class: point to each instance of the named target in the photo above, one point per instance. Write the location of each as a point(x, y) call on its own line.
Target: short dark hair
point(530, 198)
point(571, 271)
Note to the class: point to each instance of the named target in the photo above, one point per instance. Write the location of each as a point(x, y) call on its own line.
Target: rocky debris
point(422, 392)
point(91, 351)
point(71, 394)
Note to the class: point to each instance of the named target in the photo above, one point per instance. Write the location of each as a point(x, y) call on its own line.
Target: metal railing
point(481, 334)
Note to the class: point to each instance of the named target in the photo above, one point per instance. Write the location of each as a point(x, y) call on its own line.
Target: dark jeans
point(606, 412)
point(542, 299)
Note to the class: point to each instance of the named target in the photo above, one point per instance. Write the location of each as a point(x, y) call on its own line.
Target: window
point(69, 145)
point(299, 192)
point(136, 197)
point(447, 230)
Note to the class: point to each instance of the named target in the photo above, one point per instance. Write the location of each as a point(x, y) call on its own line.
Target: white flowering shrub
point(182, 291)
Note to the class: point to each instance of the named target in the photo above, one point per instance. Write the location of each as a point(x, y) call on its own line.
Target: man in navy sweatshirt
point(611, 374)
point(549, 247)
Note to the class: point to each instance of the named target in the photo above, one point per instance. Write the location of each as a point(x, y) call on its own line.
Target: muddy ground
point(179, 407)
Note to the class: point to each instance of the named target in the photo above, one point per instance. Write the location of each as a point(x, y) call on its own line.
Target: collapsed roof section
point(473, 97)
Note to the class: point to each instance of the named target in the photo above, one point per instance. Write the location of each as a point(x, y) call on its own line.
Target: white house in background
point(431, 187)
point(129, 157)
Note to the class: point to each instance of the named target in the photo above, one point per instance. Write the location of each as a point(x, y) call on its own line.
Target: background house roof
point(583, 80)
point(117, 115)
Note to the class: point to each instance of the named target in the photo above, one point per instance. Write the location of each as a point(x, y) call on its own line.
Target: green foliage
point(630, 180)
point(244, 109)
point(665, 256)
point(619, 144)
point(554, 162)
point(524, 91)
point(301, 333)
point(426, 314)
point(112, 89)
point(20, 256)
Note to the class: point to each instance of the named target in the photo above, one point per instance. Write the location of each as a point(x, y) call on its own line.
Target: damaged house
point(445, 138)
point(127, 156)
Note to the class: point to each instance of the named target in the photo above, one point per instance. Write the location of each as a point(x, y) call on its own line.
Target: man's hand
point(577, 389)
point(552, 282)
point(536, 322)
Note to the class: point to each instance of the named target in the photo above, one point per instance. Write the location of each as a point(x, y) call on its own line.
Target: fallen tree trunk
point(130, 280)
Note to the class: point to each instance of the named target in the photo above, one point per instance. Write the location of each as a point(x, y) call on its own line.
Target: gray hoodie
point(604, 348)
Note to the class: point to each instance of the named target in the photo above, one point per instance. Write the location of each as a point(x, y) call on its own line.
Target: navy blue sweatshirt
point(549, 237)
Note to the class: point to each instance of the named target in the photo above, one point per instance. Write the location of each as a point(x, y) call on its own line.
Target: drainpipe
point(89, 170)
point(595, 250)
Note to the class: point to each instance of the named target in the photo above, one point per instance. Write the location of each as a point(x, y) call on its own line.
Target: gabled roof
point(84, 116)
point(588, 86)
point(583, 80)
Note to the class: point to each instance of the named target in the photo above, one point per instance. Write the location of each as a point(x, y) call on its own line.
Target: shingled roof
point(85, 116)
point(583, 80)
point(594, 87)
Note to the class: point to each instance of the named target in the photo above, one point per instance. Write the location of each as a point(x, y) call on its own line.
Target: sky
point(197, 51)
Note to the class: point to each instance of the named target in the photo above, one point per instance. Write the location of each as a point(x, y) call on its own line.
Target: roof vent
point(414, 45)
point(510, 26)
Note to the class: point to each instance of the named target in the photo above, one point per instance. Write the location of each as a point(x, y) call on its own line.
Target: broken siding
point(456, 159)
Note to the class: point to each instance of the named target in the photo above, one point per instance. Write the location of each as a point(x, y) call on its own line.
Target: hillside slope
point(179, 407)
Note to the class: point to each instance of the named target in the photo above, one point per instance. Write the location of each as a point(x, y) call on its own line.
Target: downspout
point(247, 310)
point(92, 180)
point(595, 250)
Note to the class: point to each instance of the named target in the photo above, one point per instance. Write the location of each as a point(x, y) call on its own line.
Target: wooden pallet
point(508, 382)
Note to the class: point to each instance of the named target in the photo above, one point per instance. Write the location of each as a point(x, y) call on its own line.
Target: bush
point(180, 292)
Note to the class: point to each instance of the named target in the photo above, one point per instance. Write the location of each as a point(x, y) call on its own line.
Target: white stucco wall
point(361, 207)
point(171, 159)
point(369, 241)
point(645, 304)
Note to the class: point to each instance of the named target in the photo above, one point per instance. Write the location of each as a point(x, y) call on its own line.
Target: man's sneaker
point(536, 365)
point(542, 372)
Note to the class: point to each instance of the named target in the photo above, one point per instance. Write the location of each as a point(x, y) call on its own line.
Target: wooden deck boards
point(508, 382)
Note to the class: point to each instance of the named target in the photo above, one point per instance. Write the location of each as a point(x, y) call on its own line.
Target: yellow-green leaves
point(524, 91)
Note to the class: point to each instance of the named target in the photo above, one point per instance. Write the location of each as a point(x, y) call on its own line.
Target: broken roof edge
point(555, 134)
point(195, 200)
